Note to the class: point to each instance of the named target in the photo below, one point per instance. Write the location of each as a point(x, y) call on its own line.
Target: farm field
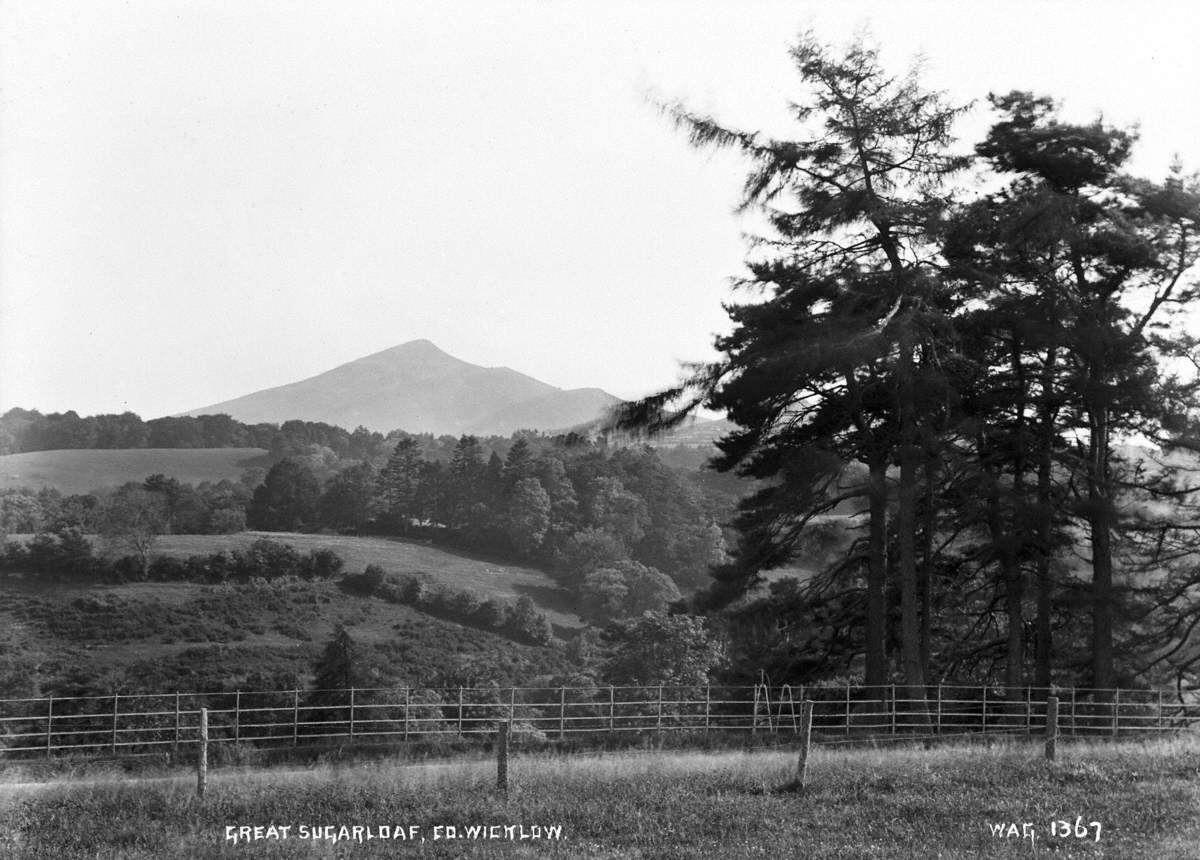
point(951, 802)
point(485, 578)
point(82, 471)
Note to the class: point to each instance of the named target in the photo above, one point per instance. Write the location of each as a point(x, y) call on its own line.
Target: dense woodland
point(23, 430)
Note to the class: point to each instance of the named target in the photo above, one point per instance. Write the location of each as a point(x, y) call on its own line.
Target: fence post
point(939, 708)
point(460, 710)
point(512, 703)
point(1051, 726)
point(562, 712)
point(1160, 710)
point(50, 723)
point(708, 706)
point(407, 699)
point(612, 710)
point(1116, 715)
point(983, 714)
point(502, 756)
point(1028, 709)
point(1072, 710)
point(351, 714)
point(658, 719)
point(893, 697)
point(114, 727)
point(847, 710)
point(237, 717)
point(295, 717)
point(202, 759)
point(175, 745)
point(806, 713)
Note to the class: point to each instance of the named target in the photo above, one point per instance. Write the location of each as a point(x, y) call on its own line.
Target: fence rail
point(147, 723)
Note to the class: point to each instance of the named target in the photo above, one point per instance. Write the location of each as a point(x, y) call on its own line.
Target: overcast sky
point(200, 200)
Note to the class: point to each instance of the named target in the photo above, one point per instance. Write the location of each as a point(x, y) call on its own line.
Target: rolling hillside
point(168, 636)
point(418, 388)
point(189, 635)
point(85, 470)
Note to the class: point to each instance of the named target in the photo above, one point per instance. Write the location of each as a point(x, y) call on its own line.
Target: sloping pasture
point(486, 578)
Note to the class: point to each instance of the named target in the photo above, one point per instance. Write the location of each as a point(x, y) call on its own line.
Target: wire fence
point(128, 725)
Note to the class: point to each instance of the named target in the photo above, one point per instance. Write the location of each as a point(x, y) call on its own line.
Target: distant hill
point(84, 470)
point(417, 387)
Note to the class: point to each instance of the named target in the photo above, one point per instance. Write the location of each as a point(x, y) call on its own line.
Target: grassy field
point(82, 471)
point(907, 803)
point(485, 578)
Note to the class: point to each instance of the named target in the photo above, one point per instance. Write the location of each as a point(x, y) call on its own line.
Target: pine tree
point(399, 483)
point(1091, 260)
point(837, 364)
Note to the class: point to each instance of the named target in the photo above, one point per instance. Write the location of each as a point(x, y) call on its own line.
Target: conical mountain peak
point(417, 387)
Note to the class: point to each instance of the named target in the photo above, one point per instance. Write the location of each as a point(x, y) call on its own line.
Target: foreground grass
point(860, 803)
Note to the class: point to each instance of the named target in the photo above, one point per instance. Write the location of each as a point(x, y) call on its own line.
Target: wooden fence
point(123, 725)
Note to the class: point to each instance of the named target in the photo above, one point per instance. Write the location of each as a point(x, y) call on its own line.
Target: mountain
point(418, 388)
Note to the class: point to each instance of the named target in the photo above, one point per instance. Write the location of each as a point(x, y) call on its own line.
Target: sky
point(199, 200)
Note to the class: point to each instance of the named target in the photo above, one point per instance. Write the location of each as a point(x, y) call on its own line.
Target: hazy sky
point(199, 200)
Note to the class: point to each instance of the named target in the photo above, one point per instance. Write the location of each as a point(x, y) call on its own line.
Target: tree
point(614, 509)
point(518, 464)
point(838, 362)
point(132, 519)
point(663, 649)
point(465, 484)
point(613, 593)
point(348, 501)
point(527, 517)
point(339, 669)
point(286, 500)
point(1102, 258)
point(525, 622)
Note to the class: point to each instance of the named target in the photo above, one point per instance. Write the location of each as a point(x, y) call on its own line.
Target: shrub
point(322, 564)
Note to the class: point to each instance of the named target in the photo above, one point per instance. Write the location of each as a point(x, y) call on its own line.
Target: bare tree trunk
point(906, 526)
point(1099, 522)
point(925, 571)
point(1045, 528)
point(876, 633)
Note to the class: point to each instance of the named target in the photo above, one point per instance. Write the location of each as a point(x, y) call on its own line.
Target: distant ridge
point(418, 388)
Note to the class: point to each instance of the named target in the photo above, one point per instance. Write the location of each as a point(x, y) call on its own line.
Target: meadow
point(83, 471)
point(963, 801)
point(482, 576)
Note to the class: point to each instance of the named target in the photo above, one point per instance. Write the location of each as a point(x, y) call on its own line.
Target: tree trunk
point(906, 526)
point(1047, 414)
point(876, 633)
point(1044, 649)
point(925, 571)
point(1099, 522)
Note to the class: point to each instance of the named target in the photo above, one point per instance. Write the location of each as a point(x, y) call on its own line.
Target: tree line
point(956, 356)
point(616, 525)
point(26, 430)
